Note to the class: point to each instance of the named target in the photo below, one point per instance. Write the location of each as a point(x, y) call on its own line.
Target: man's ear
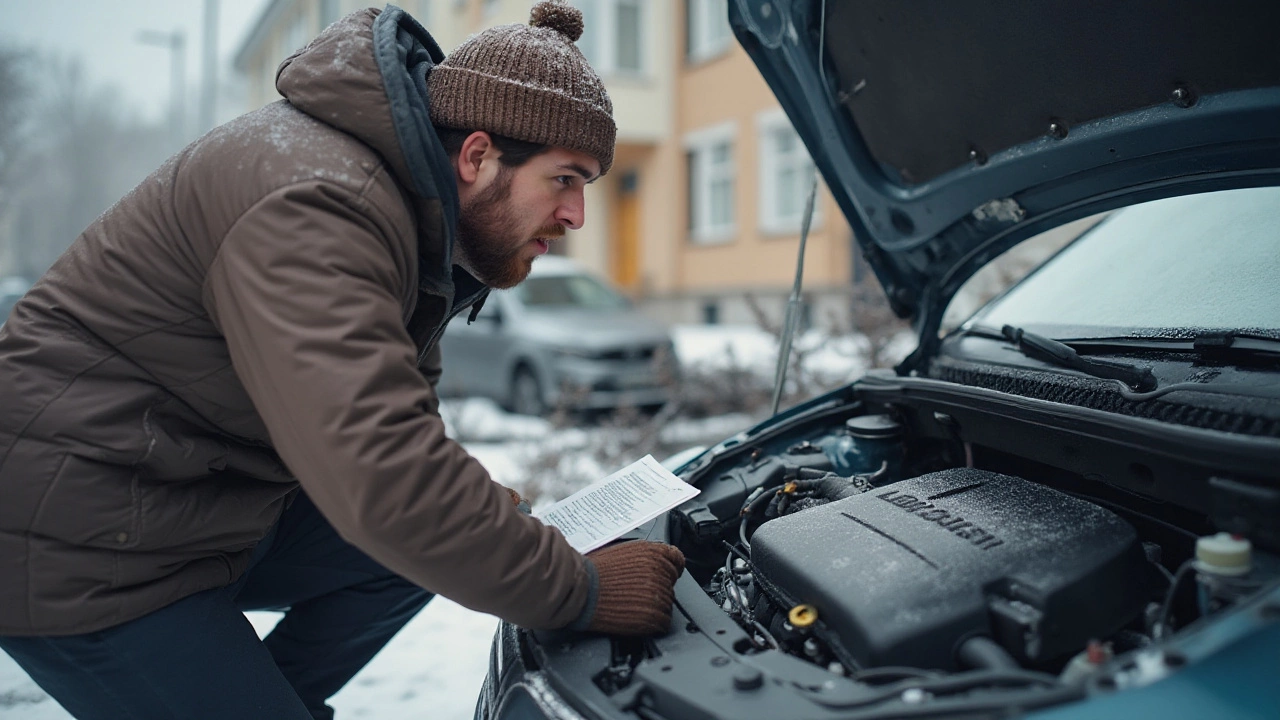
point(477, 148)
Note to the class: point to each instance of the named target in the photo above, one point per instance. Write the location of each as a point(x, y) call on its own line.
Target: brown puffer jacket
point(260, 312)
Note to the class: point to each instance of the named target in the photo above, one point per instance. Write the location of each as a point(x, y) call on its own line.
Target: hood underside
point(950, 131)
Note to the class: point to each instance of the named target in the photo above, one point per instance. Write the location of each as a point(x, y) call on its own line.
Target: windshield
point(576, 291)
point(1198, 262)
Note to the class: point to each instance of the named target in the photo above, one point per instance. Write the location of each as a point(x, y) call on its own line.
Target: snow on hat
point(527, 82)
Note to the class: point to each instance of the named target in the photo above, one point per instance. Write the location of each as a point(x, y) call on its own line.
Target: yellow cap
point(802, 616)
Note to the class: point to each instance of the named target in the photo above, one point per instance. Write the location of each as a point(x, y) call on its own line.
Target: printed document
point(610, 508)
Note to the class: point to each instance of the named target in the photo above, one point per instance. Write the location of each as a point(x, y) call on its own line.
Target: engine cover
point(904, 573)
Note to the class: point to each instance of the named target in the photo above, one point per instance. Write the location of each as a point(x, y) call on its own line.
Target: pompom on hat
point(527, 82)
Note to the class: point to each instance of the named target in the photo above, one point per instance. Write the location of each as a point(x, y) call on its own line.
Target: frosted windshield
point(1208, 261)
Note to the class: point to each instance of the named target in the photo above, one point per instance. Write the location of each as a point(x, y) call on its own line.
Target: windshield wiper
point(1221, 347)
point(1058, 353)
point(1134, 383)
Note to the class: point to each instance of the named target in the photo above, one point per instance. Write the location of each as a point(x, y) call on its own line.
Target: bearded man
point(222, 396)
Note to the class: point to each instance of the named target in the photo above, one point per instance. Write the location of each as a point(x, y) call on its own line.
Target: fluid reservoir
point(1223, 567)
point(868, 442)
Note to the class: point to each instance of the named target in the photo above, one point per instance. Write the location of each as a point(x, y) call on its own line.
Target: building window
point(711, 185)
point(627, 24)
point(589, 43)
point(613, 35)
point(786, 172)
point(706, 28)
point(710, 313)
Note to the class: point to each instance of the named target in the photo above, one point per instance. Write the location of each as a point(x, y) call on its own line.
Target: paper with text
point(608, 509)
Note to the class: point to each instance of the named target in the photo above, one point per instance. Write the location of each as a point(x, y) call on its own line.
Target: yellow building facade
point(701, 212)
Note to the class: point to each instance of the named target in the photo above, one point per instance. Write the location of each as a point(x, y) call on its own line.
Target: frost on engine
point(901, 575)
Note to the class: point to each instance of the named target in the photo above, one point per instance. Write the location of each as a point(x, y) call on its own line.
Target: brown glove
point(521, 504)
point(636, 587)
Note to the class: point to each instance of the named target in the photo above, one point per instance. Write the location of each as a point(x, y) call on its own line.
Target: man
point(222, 396)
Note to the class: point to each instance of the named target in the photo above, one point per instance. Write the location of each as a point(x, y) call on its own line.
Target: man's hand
point(521, 504)
point(636, 587)
point(811, 488)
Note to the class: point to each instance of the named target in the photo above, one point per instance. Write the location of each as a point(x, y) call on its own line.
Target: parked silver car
point(562, 338)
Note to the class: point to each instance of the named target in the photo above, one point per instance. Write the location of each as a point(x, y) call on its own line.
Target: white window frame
point(771, 162)
point(603, 26)
point(698, 146)
point(707, 27)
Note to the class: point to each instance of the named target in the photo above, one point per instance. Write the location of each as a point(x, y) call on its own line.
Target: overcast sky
point(103, 34)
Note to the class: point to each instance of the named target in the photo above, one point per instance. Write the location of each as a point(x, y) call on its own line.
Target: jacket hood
point(948, 132)
point(366, 75)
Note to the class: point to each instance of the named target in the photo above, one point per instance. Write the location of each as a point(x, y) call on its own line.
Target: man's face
point(510, 215)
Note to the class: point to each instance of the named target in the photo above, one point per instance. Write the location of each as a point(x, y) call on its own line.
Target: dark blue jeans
point(200, 657)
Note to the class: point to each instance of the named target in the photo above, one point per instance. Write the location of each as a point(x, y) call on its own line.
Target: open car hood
point(950, 131)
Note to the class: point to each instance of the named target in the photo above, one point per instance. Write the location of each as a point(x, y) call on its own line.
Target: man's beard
point(488, 229)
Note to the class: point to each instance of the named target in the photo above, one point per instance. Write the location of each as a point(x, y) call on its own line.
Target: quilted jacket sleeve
point(305, 289)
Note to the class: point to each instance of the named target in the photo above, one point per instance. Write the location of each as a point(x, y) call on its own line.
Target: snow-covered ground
point(434, 667)
point(431, 670)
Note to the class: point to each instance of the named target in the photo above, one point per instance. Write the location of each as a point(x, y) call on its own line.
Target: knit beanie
point(527, 82)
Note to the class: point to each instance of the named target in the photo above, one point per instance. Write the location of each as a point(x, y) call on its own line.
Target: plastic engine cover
point(904, 573)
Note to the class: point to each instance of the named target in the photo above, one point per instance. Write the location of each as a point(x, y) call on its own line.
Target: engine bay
point(882, 545)
point(907, 572)
point(907, 547)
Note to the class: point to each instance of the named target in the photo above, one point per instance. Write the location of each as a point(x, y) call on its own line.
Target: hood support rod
point(795, 302)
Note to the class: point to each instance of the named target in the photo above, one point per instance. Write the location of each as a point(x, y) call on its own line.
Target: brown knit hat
point(527, 82)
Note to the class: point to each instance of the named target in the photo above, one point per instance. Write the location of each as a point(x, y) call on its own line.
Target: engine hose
point(748, 510)
point(947, 685)
point(981, 652)
point(889, 673)
point(882, 471)
point(731, 590)
point(768, 636)
point(1162, 627)
point(1001, 704)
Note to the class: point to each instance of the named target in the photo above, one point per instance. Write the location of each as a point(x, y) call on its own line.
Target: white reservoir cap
point(1223, 554)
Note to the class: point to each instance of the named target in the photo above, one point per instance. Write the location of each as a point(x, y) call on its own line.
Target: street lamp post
point(176, 41)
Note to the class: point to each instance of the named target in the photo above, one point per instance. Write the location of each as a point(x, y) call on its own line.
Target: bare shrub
point(729, 386)
point(875, 320)
point(582, 448)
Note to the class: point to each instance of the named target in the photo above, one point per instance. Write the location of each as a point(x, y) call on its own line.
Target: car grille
point(637, 353)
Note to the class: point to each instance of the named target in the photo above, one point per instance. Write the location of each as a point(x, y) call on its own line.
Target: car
point(563, 338)
point(1069, 505)
point(12, 288)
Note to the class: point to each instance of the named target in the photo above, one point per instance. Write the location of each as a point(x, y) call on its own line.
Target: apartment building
point(700, 217)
